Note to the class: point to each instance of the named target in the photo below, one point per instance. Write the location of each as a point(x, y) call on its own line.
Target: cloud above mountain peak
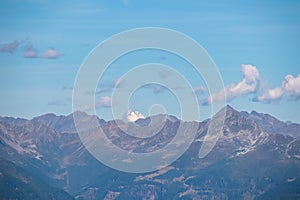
point(134, 115)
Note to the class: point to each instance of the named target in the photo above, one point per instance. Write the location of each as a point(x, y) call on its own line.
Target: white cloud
point(292, 86)
point(134, 115)
point(105, 101)
point(270, 95)
point(289, 89)
point(52, 54)
point(247, 85)
point(250, 72)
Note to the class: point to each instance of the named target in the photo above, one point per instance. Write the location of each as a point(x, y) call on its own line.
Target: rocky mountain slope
point(257, 157)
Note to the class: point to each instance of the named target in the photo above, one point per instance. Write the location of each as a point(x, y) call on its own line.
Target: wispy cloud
point(67, 88)
point(249, 84)
point(108, 87)
point(126, 2)
point(105, 101)
point(9, 47)
point(199, 90)
point(118, 82)
point(164, 74)
point(30, 52)
point(51, 53)
point(158, 89)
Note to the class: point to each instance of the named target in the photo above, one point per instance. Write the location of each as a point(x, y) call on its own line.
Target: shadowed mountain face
point(257, 157)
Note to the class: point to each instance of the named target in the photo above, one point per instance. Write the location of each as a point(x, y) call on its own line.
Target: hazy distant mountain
point(258, 157)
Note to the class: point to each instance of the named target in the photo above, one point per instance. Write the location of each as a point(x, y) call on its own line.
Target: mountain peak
point(46, 116)
point(228, 107)
point(253, 112)
point(230, 111)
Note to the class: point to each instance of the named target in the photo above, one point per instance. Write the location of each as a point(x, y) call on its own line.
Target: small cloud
point(51, 53)
point(132, 116)
point(30, 52)
point(247, 85)
point(105, 101)
point(9, 47)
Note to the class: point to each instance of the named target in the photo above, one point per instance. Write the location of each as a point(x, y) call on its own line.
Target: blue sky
point(43, 43)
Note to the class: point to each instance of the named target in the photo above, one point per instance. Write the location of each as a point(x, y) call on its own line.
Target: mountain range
point(257, 157)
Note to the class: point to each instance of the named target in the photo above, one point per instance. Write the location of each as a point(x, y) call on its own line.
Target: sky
point(254, 44)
